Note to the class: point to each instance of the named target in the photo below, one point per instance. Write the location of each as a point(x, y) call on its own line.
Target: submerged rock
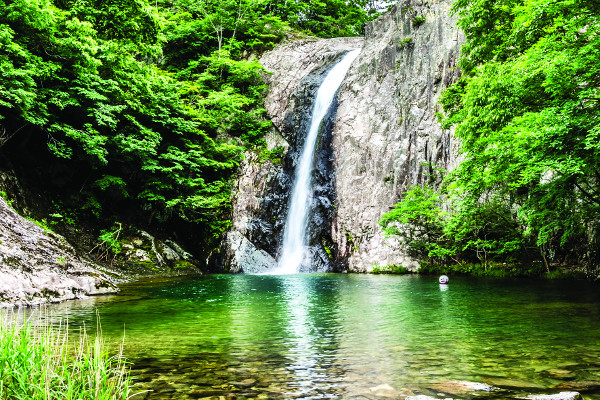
point(462, 388)
point(580, 386)
point(38, 266)
point(384, 390)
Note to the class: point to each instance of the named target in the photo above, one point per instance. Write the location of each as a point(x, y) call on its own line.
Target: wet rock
point(514, 384)
point(462, 388)
point(38, 266)
point(205, 393)
point(242, 256)
point(424, 397)
point(558, 373)
point(557, 396)
point(384, 390)
point(264, 187)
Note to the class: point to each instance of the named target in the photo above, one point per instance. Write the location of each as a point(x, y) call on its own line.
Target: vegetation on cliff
point(526, 111)
point(139, 112)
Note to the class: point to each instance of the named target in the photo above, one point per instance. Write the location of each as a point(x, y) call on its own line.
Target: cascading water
point(294, 250)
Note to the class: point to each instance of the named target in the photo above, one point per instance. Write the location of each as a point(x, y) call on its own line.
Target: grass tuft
point(44, 363)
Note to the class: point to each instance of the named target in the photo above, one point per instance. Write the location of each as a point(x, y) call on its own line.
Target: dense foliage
point(130, 110)
point(527, 112)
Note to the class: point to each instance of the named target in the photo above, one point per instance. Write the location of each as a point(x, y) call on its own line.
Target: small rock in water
point(245, 383)
point(557, 396)
point(443, 279)
point(559, 373)
point(459, 388)
point(514, 384)
point(384, 390)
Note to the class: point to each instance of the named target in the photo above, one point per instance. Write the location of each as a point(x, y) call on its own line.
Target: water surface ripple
point(334, 336)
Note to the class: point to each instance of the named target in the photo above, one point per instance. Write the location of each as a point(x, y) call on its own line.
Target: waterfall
point(294, 250)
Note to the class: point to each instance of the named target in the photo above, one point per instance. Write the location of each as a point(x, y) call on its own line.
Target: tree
point(527, 112)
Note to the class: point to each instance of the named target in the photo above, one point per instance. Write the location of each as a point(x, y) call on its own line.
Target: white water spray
point(294, 250)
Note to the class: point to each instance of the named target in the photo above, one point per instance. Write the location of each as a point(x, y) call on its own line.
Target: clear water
point(293, 252)
point(335, 336)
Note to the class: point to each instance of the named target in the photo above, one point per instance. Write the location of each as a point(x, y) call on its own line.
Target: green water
point(335, 336)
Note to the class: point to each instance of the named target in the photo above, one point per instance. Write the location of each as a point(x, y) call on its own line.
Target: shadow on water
point(318, 336)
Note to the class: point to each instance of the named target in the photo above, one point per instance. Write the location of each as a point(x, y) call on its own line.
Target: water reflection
point(311, 332)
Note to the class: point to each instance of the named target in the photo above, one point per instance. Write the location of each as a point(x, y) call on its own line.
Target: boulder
point(242, 256)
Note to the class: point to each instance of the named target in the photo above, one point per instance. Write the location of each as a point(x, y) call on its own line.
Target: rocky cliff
point(38, 266)
point(384, 137)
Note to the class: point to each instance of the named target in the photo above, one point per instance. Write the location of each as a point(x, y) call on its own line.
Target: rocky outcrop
point(384, 138)
point(143, 254)
point(38, 266)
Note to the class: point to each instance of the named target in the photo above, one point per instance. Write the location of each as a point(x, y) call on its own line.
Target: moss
point(151, 265)
point(405, 43)
point(328, 251)
point(183, 264)
point(41, 223)
point(418, 21)
point(275, 155)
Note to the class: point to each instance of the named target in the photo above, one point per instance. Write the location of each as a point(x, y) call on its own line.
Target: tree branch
point(587, 195)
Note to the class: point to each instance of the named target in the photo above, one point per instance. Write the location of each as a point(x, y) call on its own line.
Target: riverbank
point(44, 261)
point(494, 270)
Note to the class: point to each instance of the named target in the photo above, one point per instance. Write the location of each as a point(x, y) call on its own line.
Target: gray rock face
point(243, 256)
point(37, 267)
point(385, 135)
